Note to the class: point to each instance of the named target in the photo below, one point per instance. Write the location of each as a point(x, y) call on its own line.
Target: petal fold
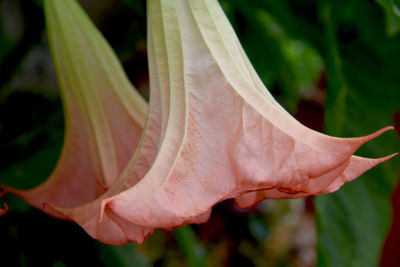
point(103, 224)
point(104, 114)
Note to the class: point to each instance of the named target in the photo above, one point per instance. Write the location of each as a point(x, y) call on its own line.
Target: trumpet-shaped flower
point(87, 215)
point(213, 132)
point(104, 115)
point(225, 135)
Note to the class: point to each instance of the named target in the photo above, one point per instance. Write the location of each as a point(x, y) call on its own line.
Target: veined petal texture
point(225, 135)
point(213, 130)
point(104, 114)
point(102, 223)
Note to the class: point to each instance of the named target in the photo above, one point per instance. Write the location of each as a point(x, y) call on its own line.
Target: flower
point(224, 136)
point(107, 230)
point(104, 115)
point(213, 132)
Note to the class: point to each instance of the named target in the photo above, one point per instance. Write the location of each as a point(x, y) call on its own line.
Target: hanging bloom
point(104, 115)
point(213, 132)
point(224, 135)
point(111, 228)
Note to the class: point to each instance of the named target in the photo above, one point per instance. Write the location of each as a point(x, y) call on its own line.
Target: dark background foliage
point(334, 64)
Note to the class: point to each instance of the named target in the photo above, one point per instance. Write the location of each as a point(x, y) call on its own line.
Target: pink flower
point(213, 130)
point(104, 115)
point(225, 135)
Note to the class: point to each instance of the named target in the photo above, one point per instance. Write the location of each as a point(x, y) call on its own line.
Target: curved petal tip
point(378, 133)
point(356, 167)
point(359, 141)
point(5, 210)
point(2, 193)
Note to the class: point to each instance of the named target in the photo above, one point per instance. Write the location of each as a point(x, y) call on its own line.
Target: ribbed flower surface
point(213, 130)
point(104, 115)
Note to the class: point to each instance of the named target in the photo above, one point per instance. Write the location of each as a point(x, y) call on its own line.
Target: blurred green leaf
point(262, 35)
point(39, 3)
point(30, 139)
point(335, 105)
point(287, 65)
point(353, 222)
point(191, 246)
point(6, 45)
point(134, 4)
point(392, 13)
point(257, 228)
point(122, 256)
point(13, 51)
point(58, 264)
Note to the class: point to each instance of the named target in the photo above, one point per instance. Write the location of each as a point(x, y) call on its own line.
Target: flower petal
point(111, 228)
point(104, 225)
point(355, 167)
point(104, 115)
point(5, 210)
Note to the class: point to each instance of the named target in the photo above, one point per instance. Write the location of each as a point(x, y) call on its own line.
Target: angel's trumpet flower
point(225, 135)
point(87, 215)
point(213, 132)
point(104, 115)
point(112, 229)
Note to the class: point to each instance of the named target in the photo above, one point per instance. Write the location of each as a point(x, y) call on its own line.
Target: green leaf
point(335, 106)
point(191, 246)
point(288, 66)
point(353, 222)
point(39, 3)
point(122, 256)
point(6, 45)
point(392, 13)
point(31, 137)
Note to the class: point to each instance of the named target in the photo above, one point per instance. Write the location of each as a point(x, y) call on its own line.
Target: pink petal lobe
point(357, 167)
point(5, 210)
point(353, 169)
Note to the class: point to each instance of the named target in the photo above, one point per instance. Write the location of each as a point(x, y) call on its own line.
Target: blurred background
point(335, 65)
